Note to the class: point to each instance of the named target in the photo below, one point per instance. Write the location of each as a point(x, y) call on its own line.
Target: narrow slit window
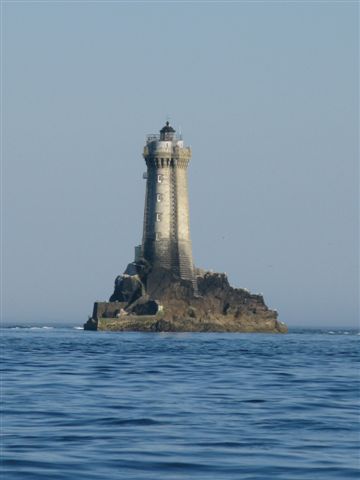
point(158, 217)
point(160, 178)
point(159, 197)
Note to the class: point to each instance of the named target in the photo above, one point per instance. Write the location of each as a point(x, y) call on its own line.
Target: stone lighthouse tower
point(166, 236)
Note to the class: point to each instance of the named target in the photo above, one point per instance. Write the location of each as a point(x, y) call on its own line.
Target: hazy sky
point(266, 94)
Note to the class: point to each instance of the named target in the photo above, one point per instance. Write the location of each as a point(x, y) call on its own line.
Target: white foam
point(41, 328)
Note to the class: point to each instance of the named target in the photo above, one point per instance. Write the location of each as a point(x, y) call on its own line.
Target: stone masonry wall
point(166, 236)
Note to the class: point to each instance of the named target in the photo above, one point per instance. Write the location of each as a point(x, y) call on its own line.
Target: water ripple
point(191, 406)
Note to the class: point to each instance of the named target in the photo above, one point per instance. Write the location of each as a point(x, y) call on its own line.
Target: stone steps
point(187, 272)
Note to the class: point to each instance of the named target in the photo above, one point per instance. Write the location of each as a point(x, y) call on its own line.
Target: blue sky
point(266, 94)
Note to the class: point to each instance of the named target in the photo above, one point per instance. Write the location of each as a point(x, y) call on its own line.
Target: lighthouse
point(166, 239)
point(161, 291)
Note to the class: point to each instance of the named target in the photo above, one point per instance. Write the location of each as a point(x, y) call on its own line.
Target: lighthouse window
point(157, 236)
point(159, 197)
point(160, 178)
point(158, 217)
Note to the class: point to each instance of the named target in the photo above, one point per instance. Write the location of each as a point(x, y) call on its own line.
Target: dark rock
point(144, 306)
point(131, 269)
point(192, 312)
point(141, 268)
point(137, 303)
point(128, 288)
point(91, 324)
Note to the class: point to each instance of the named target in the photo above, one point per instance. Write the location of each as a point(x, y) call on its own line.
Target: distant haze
point(266, 94)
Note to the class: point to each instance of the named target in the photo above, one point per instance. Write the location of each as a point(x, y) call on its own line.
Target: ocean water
point(101, 405)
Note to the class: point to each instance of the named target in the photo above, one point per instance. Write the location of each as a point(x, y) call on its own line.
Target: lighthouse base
point(159, 301)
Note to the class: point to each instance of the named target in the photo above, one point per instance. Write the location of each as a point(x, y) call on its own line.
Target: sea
point(81, 405)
